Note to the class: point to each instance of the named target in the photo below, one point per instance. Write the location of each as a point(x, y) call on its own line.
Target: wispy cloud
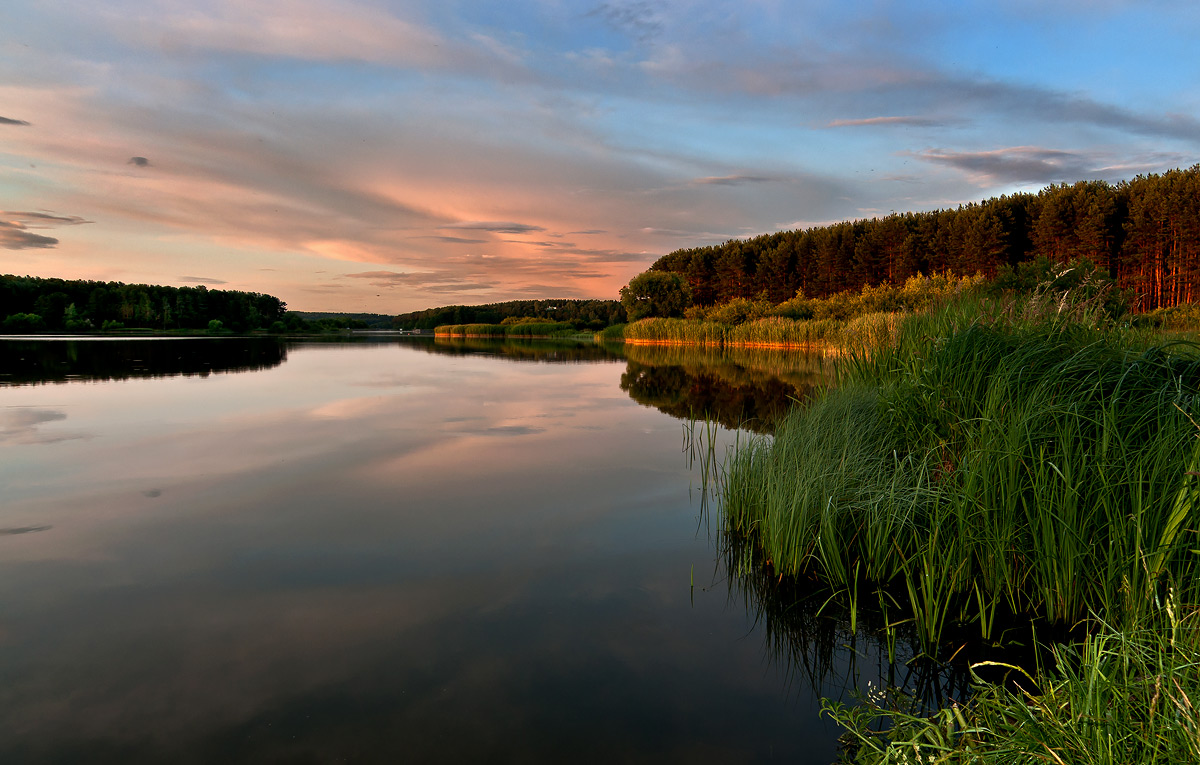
point(14, 530)
point(443, 289)
point(639, 19)
point(498, 227)
point(451, 239)
point(339, 30)
point(10, 121)
point(428, 282)
point(387, 278)
point(1042, 105)
point(16, 233)
point(45, 220)
point(1036, 165)
point(14, 236)
point(731, 180)
point(1016, 164)
point(201, 280)
point(903, 121)
point(139, 161)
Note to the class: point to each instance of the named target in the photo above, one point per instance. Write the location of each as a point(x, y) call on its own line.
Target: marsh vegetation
point(1002, 470)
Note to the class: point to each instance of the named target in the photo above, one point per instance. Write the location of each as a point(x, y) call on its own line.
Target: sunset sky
point(389, 156)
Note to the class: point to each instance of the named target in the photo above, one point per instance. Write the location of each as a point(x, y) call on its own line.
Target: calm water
point(261, 551)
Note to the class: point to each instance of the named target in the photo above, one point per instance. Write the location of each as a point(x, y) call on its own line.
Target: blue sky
point(389, 156)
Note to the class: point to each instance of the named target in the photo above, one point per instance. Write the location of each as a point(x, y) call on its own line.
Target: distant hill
point(584, 314)
point(372, 320)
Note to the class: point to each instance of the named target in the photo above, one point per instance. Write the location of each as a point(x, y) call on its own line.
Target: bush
point(24, 322)
point(655, 293)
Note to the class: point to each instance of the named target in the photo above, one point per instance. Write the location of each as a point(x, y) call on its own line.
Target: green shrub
point(24, 322)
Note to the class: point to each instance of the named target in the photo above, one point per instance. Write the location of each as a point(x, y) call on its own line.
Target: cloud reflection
point(20, 425)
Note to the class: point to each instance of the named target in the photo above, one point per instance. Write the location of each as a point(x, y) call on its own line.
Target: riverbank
point(1029, 462)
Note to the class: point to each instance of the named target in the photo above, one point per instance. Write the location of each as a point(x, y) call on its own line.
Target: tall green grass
point(471, 330)
point(777, 330)
point(998, 462)
point(1119, 697)
point(859, 333)
point(690, 331)
point(1029, 464)
point(610, 334)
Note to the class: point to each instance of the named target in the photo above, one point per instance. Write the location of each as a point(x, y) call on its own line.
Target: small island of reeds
point(509, 328)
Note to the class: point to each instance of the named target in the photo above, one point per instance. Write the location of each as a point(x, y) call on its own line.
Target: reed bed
point(470, 330)
point(547, 329)
point(613, 333)
point(787, 333)
point(1041, 471)
point(855, 335)
point(683, 331)
point(770, 332)
point(1121, 696)
point(992, 463)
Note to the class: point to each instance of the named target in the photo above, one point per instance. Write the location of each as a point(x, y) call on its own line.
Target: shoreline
point(823, 348)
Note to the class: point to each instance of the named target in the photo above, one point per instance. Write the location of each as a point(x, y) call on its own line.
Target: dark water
point(390, 551)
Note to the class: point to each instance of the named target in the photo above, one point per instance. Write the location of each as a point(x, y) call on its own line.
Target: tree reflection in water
point(750, 389)
point(34, 362)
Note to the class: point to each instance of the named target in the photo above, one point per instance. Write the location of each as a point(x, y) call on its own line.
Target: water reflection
point(523, 349)
point(32, 362)
point(739, 388)
point(374, 552)
point(809, 636)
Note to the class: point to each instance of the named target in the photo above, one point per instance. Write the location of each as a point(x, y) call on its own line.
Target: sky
point(388, 156)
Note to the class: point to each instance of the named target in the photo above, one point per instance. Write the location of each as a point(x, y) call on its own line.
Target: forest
point(584, 314)
point(1145, 232)
point(30, 303)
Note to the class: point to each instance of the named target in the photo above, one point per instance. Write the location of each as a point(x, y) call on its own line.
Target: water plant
point(1037, 468)
point(1120, 696)
point(996, 460)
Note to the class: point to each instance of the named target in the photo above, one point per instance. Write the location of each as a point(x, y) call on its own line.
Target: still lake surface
point(390, 550)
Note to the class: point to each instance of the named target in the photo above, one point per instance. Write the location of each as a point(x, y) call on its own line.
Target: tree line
point(30, 303)
point(584, 314)
point(1145, 232)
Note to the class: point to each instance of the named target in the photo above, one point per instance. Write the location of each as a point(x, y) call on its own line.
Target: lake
point(393, 550)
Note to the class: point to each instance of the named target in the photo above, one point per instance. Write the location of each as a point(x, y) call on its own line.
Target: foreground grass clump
point(1043, 471)
point(1118, 698)
point(1000, 464)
